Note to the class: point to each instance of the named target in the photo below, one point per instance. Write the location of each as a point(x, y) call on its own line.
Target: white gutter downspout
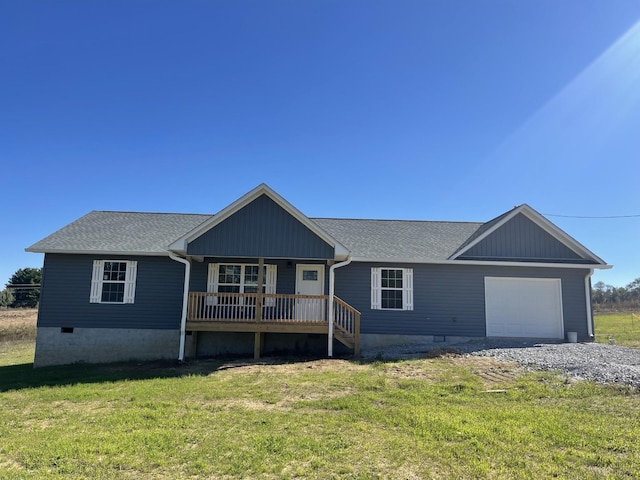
point(331, 293)
point(587, 293)
point(185, 299)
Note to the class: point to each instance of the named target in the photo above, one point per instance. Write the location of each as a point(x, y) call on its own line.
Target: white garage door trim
point(523, 307)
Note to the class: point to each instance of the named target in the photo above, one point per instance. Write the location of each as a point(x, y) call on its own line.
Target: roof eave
point(482, 262)
point(98, 252)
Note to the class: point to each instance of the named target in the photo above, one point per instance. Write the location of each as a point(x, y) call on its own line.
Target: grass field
point(621, 327)
point(17, 336)
point(449, 417)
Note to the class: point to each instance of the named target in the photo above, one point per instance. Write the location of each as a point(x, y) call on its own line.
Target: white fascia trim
point(480, 262)
point(543, 223)
point(559, 234)
point(263, 188)
point(162, 253)
point(179, 246)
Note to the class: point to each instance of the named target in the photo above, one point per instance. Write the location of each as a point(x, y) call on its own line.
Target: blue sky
point(435, 110)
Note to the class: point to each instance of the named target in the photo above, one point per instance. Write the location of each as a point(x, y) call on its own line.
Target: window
point(310, 275)
point(113, 281)
point(391, 288)
point(241, 278)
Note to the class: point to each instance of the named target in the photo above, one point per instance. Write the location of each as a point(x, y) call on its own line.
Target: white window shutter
point(212, 283)
point(270, 286)
point(130, 281)
point(407, 290)
point(375, 289)
point(96, 281)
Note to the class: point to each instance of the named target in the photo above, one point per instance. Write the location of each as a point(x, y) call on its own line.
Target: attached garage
point(523, 307)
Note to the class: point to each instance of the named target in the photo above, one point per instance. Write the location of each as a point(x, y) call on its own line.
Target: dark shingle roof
point(398, 240)
point(151, 233)
point(126, 232)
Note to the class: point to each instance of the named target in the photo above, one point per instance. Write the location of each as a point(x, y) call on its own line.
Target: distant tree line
point(609, 297)
point(23, 289)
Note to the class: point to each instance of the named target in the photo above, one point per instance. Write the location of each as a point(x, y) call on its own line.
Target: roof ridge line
point(152, 213)
point(397, 220)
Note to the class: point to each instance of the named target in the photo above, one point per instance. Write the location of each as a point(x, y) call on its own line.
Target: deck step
point(346, 340)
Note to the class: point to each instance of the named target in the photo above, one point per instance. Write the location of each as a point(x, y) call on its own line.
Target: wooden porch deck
point(272, 313)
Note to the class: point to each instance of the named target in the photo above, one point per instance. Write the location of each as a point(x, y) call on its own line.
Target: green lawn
point(449, 417)
point(15, 353)
point(622, 327)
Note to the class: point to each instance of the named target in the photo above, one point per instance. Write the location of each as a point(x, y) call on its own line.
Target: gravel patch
point(590, 361)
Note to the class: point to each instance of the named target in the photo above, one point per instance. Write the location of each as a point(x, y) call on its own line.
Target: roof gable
point(261, 228)
point(522, 234)
point(267, 222)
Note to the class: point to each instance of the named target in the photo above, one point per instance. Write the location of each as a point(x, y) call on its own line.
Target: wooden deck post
point(259, 297)
point(356, 336)
point(194, 344)
point(257, 341)
point(257, 345)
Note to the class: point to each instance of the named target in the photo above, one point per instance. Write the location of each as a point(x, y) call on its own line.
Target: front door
point(310, 281)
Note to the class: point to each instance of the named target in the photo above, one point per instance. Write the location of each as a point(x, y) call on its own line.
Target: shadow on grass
point(24, 376)
point(443, 349)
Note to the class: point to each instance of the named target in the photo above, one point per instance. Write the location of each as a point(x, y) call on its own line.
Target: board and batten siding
point(520, 238)
point(64, 299)
point(449, 299)
point(261, 229)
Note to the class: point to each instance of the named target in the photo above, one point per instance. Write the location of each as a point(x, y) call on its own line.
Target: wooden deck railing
point(241, 307)
point(292, 312)
point(346, 320)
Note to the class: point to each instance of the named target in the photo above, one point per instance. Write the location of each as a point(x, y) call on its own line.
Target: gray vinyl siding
point(520, 238)
point(449, 299)
point(64, 300)
point(261, 229)
point(286, 275)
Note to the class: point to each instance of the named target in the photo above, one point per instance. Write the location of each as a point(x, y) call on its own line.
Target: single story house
point(260, 276)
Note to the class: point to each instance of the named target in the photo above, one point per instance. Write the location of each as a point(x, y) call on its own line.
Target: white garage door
point(523, 307)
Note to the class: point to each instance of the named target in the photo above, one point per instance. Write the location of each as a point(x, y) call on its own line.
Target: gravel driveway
point(591, 361)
